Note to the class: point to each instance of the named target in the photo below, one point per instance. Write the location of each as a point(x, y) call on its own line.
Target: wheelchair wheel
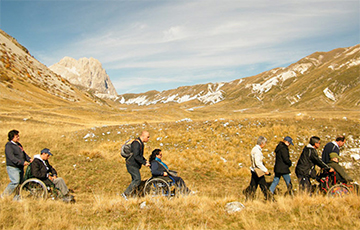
point(157, 187)
point(33, 188)
point(338, 190)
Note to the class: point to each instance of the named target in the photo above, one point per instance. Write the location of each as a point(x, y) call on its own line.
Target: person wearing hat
point(42, 170)
point(282, 164)
point(341, 175)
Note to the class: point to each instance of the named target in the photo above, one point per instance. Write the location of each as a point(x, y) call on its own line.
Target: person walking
point(258, 170)
point(305, 168)
point(16, 159)
point(333, 146)
point(282, 164)
point(135, 161)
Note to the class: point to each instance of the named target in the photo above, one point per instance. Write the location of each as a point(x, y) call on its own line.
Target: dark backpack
point(126, 148)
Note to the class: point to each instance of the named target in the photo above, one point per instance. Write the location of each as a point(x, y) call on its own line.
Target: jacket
point(137, 158)
point(308, 159)
point(256, 158)
point(282, 159)
point(15, 155)
point(341, 175)
point(157, 169)
point(41, 169)
point(329, 148)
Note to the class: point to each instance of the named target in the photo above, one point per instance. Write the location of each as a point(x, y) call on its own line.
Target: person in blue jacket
point(160, 169)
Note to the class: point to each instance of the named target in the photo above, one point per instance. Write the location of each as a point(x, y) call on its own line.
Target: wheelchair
point(34, 188)
point(331, 187)
point(163, 187)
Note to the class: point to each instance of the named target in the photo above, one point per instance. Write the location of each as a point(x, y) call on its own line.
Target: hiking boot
point(69, 198)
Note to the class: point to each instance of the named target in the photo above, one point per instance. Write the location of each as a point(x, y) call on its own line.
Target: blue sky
point(158, 45)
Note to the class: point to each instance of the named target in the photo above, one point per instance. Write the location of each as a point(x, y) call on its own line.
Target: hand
point(165, 174)
point(267, 173)
point(147, 164)
point(331, 170)
point(31, 160)
point(26, 163)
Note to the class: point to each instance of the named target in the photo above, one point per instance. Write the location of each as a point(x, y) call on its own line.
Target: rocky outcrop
point(86, 72)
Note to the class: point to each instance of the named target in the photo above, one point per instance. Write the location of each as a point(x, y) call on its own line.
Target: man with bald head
point(135, 161)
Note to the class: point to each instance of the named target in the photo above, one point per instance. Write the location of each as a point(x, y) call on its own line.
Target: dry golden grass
point(211, 155)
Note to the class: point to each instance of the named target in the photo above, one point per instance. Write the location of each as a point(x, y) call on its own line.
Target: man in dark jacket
point(282, 164)
point(42, 170)
point(333, 146)
point(305, 168)
point(135, 161)
point(16, 159)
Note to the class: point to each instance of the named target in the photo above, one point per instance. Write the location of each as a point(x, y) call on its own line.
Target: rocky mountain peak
point(86, 72)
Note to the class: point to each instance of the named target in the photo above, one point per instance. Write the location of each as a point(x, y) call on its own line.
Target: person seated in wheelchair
point(160, 169)
point(42, 170)
point(341, 175)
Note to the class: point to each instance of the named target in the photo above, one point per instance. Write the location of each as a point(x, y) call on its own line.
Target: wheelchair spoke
point(34, 189)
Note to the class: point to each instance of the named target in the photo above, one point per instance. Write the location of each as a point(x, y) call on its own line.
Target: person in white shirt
point(258, 170)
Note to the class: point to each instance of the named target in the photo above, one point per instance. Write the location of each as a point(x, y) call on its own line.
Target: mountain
point(18, 66)
point(88, 73)
point(28, 88)
point(320, 80)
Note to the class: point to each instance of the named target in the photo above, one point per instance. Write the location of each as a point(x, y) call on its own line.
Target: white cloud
point(194, 35)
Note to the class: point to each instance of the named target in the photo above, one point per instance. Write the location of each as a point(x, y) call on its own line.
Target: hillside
point(207, 141)
point(28, 88)
point(331, 79)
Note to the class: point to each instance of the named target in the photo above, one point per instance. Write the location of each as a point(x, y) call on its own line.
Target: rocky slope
point(88, 73)
point(17, 65)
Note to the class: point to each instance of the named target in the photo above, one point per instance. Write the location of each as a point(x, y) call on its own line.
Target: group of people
point(17, 159)
point(305, 167)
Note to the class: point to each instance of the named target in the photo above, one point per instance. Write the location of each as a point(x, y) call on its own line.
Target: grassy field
point(211, 153)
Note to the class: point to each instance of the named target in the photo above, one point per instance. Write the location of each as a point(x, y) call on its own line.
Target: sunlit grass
point(211, 155)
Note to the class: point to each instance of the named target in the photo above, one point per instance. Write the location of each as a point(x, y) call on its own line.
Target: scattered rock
point(234, 207)
point(143, 205)
point(355, 156)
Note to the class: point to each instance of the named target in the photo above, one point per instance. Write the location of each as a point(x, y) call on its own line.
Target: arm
point(258, 156)
point(137, 151)
point(286, 157)
point(51, 169)
point(27, 158)
point(316, 160)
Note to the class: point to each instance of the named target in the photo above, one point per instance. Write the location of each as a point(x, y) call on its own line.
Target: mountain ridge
point(275, 87)
point(322, 80)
